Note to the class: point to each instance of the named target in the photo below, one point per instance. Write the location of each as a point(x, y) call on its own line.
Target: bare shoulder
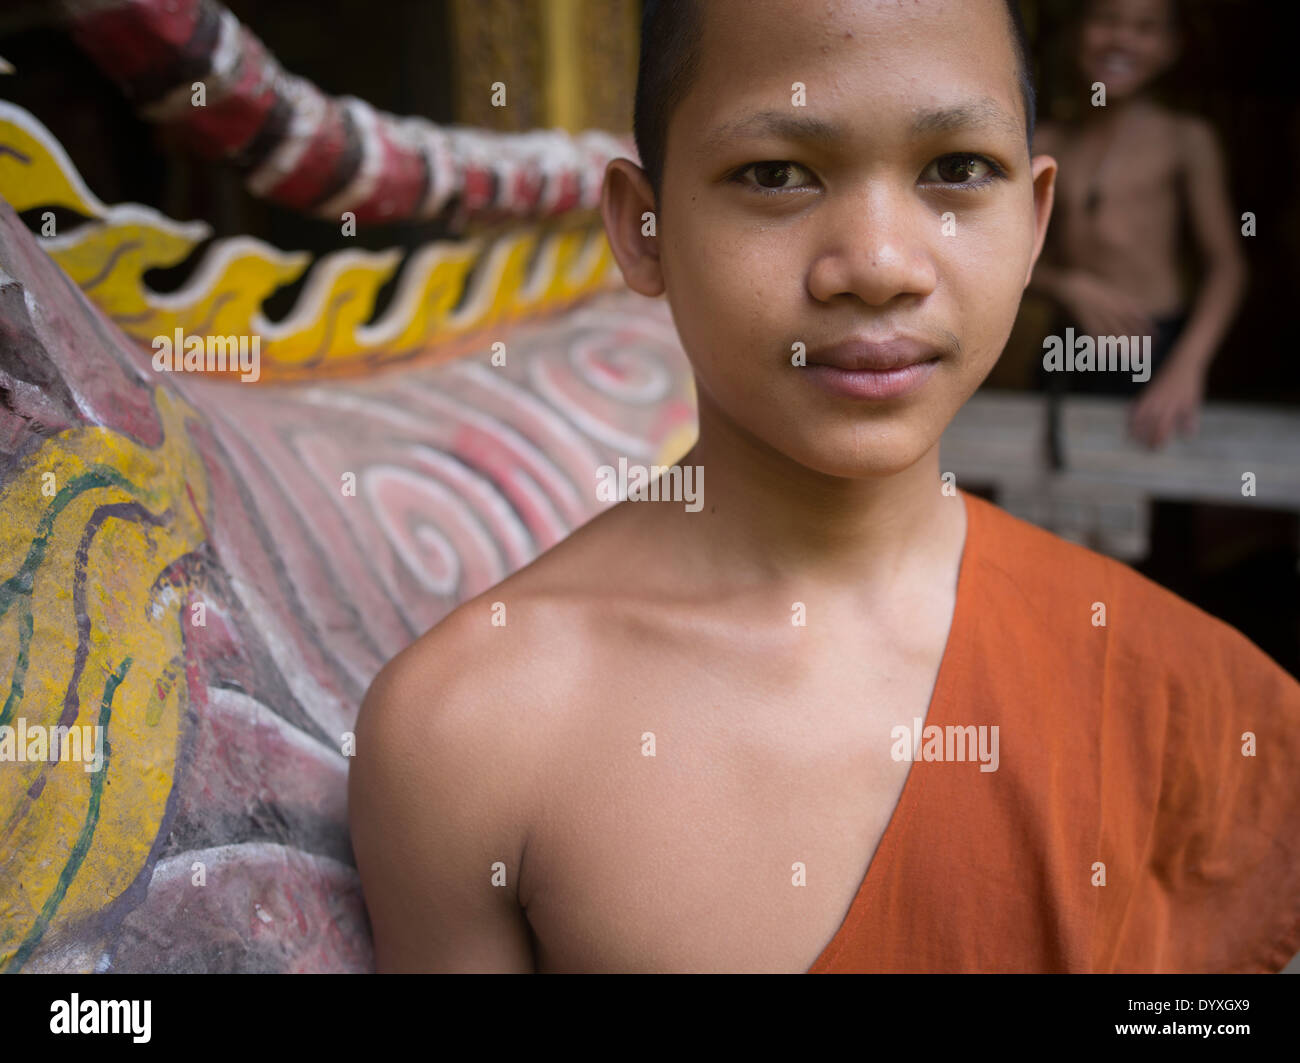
point(455, 741)
point(1196, 137)
point(517, 643)
point(474, 697)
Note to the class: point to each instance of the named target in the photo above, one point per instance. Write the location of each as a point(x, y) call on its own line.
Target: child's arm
point(1173, 399)
point(1098, 307)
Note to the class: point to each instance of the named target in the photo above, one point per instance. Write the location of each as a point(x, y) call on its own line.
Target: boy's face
point(1125, 44)
point(908, 218)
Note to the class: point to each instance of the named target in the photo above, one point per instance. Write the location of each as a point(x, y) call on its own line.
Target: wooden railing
point(1102, 496)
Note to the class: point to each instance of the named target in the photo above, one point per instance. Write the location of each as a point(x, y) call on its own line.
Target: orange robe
point(1122, 751)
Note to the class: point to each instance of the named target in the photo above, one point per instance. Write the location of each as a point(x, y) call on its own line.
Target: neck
point(1115, 110)
point(767, 518)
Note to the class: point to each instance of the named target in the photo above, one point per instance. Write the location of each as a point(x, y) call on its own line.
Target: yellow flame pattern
point(511, 275)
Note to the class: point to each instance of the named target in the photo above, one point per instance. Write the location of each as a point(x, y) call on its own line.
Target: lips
point(866, 369)
point(856, 355)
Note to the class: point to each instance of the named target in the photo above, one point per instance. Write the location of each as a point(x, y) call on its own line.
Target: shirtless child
point(1131, 172)
point(697, 741)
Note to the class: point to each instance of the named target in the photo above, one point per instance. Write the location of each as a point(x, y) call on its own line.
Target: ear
point(1043, 174)
point(625, 200)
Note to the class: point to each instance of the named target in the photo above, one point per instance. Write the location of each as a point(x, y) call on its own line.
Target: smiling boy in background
point(1133, 175)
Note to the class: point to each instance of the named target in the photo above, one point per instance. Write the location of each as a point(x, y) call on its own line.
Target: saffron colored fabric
point(1145, 811)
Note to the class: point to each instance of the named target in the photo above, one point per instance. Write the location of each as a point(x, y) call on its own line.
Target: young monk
point(841, 718)
point(1133, 174)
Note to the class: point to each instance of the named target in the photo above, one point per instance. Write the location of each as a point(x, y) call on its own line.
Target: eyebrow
point(983, 113)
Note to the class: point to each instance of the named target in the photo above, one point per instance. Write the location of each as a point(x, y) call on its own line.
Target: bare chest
point(720, 817)
point(1120, 195)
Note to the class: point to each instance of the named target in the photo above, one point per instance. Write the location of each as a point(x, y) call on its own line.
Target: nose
point(1123, 35)
point(876, 245)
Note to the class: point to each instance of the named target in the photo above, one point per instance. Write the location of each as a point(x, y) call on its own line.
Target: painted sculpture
point(210, 572)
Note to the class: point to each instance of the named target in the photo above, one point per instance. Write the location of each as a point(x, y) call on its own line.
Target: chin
point(869, 454)
point(1118, 89)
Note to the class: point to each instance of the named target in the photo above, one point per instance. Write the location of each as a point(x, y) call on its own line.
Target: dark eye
point(772, 176)
point(958, 169)
point(972, 170)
